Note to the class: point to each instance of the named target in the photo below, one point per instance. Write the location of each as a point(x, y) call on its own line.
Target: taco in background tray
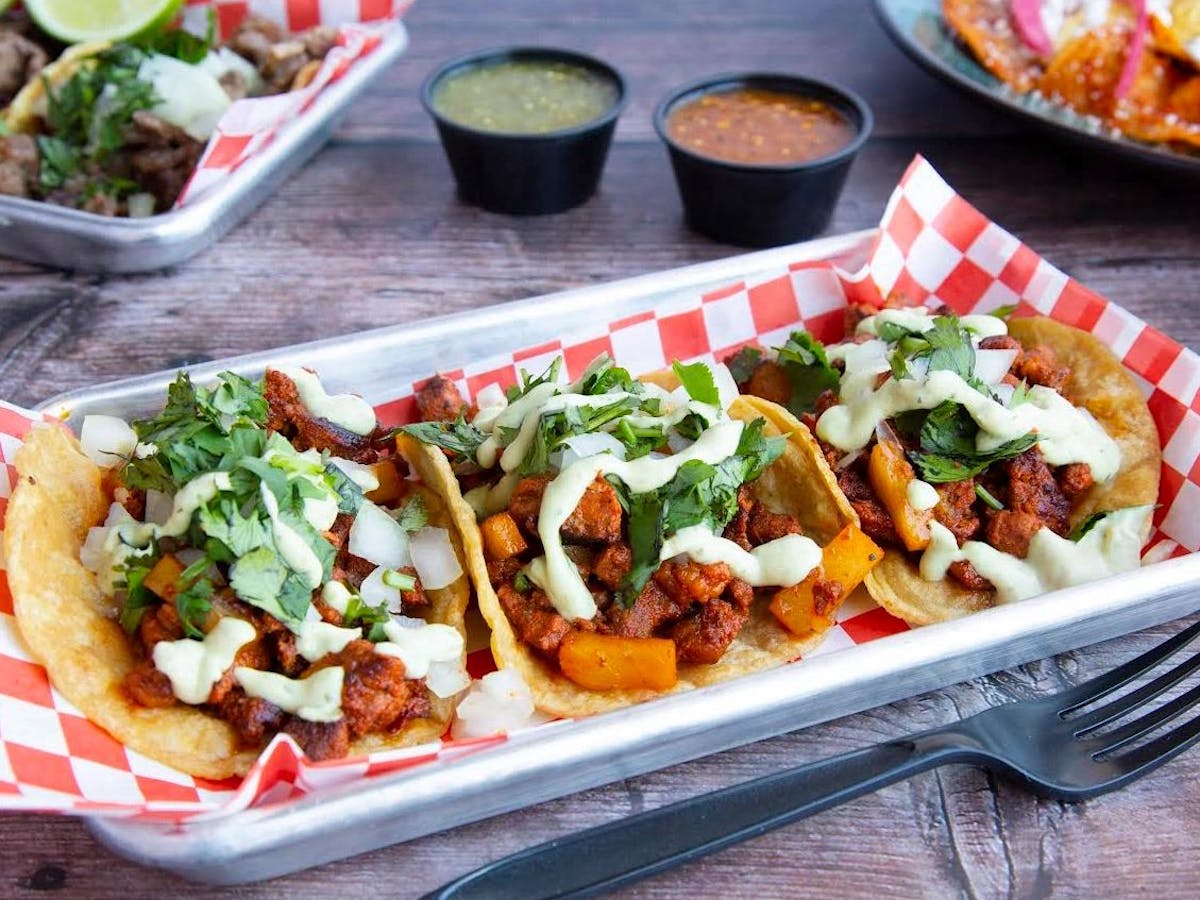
point(248, 561)
point(637, 537)
point(994, 460)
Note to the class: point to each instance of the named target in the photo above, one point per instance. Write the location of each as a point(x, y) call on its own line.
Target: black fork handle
point(619, 852)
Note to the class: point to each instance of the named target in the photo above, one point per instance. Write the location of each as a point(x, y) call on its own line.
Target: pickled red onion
point(1027, 16)
point(1137, 46)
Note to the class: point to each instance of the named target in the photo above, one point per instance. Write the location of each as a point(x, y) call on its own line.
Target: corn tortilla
point(1100, 384)
point(799, 483)
point(70, 625)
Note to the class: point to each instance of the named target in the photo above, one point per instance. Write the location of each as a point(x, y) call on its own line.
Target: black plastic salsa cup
point(526, 174)
point(755, 205)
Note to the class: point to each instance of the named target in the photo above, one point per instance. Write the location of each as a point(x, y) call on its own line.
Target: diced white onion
point(92, 554)
point(491, 395)
point(377, 537)
point(141, 206)
point(188, 96)
point(499, 702)
point(447, 678)
point(158, 506)
point(676, 441)
point(221, 61)
point(363, 476)
point(106, 439)
point(992, 365)
point(373, 591)
point(1004, 393)
point(919, 367)
point(726, 387)
point(884, 433)
point(869, 356)
point(434, 558)
point(847, 461)
point(581, 446)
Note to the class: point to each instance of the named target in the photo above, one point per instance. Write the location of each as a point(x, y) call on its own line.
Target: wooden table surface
point(370, 233)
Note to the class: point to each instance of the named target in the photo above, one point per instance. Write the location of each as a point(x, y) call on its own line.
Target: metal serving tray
point(556, 760)
point(71, 239)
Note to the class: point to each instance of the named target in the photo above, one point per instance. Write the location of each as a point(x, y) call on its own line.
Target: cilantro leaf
point(697, 379)
point(193, 604)
point(528, 383)
point(554, 428)
point(350, 495)
point(1020, 395)
point(181, 43)
point(605, 376)
point(412, 516)
point(699, 494)
point(948, 446)
point(258, 578)
point(639, 440)
point(1087, 525)
point(743, 363)
point(804, 361)
point(459, 436)
point(1003, 312)
point(138, 598)
point(359, 613)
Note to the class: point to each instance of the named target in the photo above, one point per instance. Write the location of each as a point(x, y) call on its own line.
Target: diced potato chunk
point(890, 473)
point(846, 559)
point(605, 662)
point(163, 578)
point(391, 483)
point(501, 537)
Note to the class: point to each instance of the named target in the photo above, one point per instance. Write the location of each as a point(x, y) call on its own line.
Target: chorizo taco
point(254, 559)
point(631, 537)
point(996, 460)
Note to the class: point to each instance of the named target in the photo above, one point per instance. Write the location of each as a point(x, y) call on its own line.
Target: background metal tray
point(556, 760)
point(72, 239)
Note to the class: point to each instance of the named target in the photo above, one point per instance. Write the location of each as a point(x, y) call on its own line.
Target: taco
point(996, 460)
point(629, 538)
point(252, 560)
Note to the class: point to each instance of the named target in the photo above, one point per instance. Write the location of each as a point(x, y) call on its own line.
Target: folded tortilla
point(1100, 384)
point(71, 627)
point(798, 483)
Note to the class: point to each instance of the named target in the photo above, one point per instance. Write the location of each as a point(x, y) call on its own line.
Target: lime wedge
point(101, 20)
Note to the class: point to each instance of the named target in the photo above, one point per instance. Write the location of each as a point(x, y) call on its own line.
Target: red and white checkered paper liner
point(250, 125)
point(932, 246)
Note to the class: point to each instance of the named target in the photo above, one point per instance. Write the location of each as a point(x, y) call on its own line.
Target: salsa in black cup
point(760, 159)
point(525, 129)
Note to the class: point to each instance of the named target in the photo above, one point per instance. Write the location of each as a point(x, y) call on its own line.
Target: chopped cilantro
point(363, 615)
point(1003, 312)
point(521, 583)
point(554, 428)
point(804, 361)
point(459, 436)
point(948, 446)
point(743, 363)
point(401, 581)
point(1020, 395)
point(987, 497)
point(604, 376)
point(697, 379)
point(699, 494)
point(412, 516)
point(528, 383)
point(181, 43)
point(639, 440)
point(1087, 525)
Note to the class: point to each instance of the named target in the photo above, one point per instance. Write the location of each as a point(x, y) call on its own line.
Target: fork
point(1049, 742)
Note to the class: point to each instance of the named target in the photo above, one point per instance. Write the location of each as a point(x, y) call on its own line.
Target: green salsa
point(524, 96)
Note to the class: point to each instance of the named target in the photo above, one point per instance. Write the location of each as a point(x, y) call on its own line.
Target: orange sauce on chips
point(756, 126)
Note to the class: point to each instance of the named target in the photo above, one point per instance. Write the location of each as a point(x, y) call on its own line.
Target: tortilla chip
point(986, 27)
point(1084, 75)
point(71, 628)
point(1100, 384)
point(799, 483)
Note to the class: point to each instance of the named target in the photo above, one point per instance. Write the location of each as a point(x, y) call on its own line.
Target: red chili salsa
point(759, 127)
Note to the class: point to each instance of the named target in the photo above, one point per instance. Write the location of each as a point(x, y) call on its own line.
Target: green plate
point(918, 28)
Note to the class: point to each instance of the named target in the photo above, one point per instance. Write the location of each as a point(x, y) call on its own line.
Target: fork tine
point(1158, 751)
point(1102, 715)
point(1131, 731)
point(1105, 684)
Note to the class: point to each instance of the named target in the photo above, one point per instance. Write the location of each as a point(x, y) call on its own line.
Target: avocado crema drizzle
point(934, 359)
point(539, 427)
point(245, 503)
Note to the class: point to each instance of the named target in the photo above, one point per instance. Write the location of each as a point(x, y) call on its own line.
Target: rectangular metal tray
point(72, 239)
point(550, 762)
